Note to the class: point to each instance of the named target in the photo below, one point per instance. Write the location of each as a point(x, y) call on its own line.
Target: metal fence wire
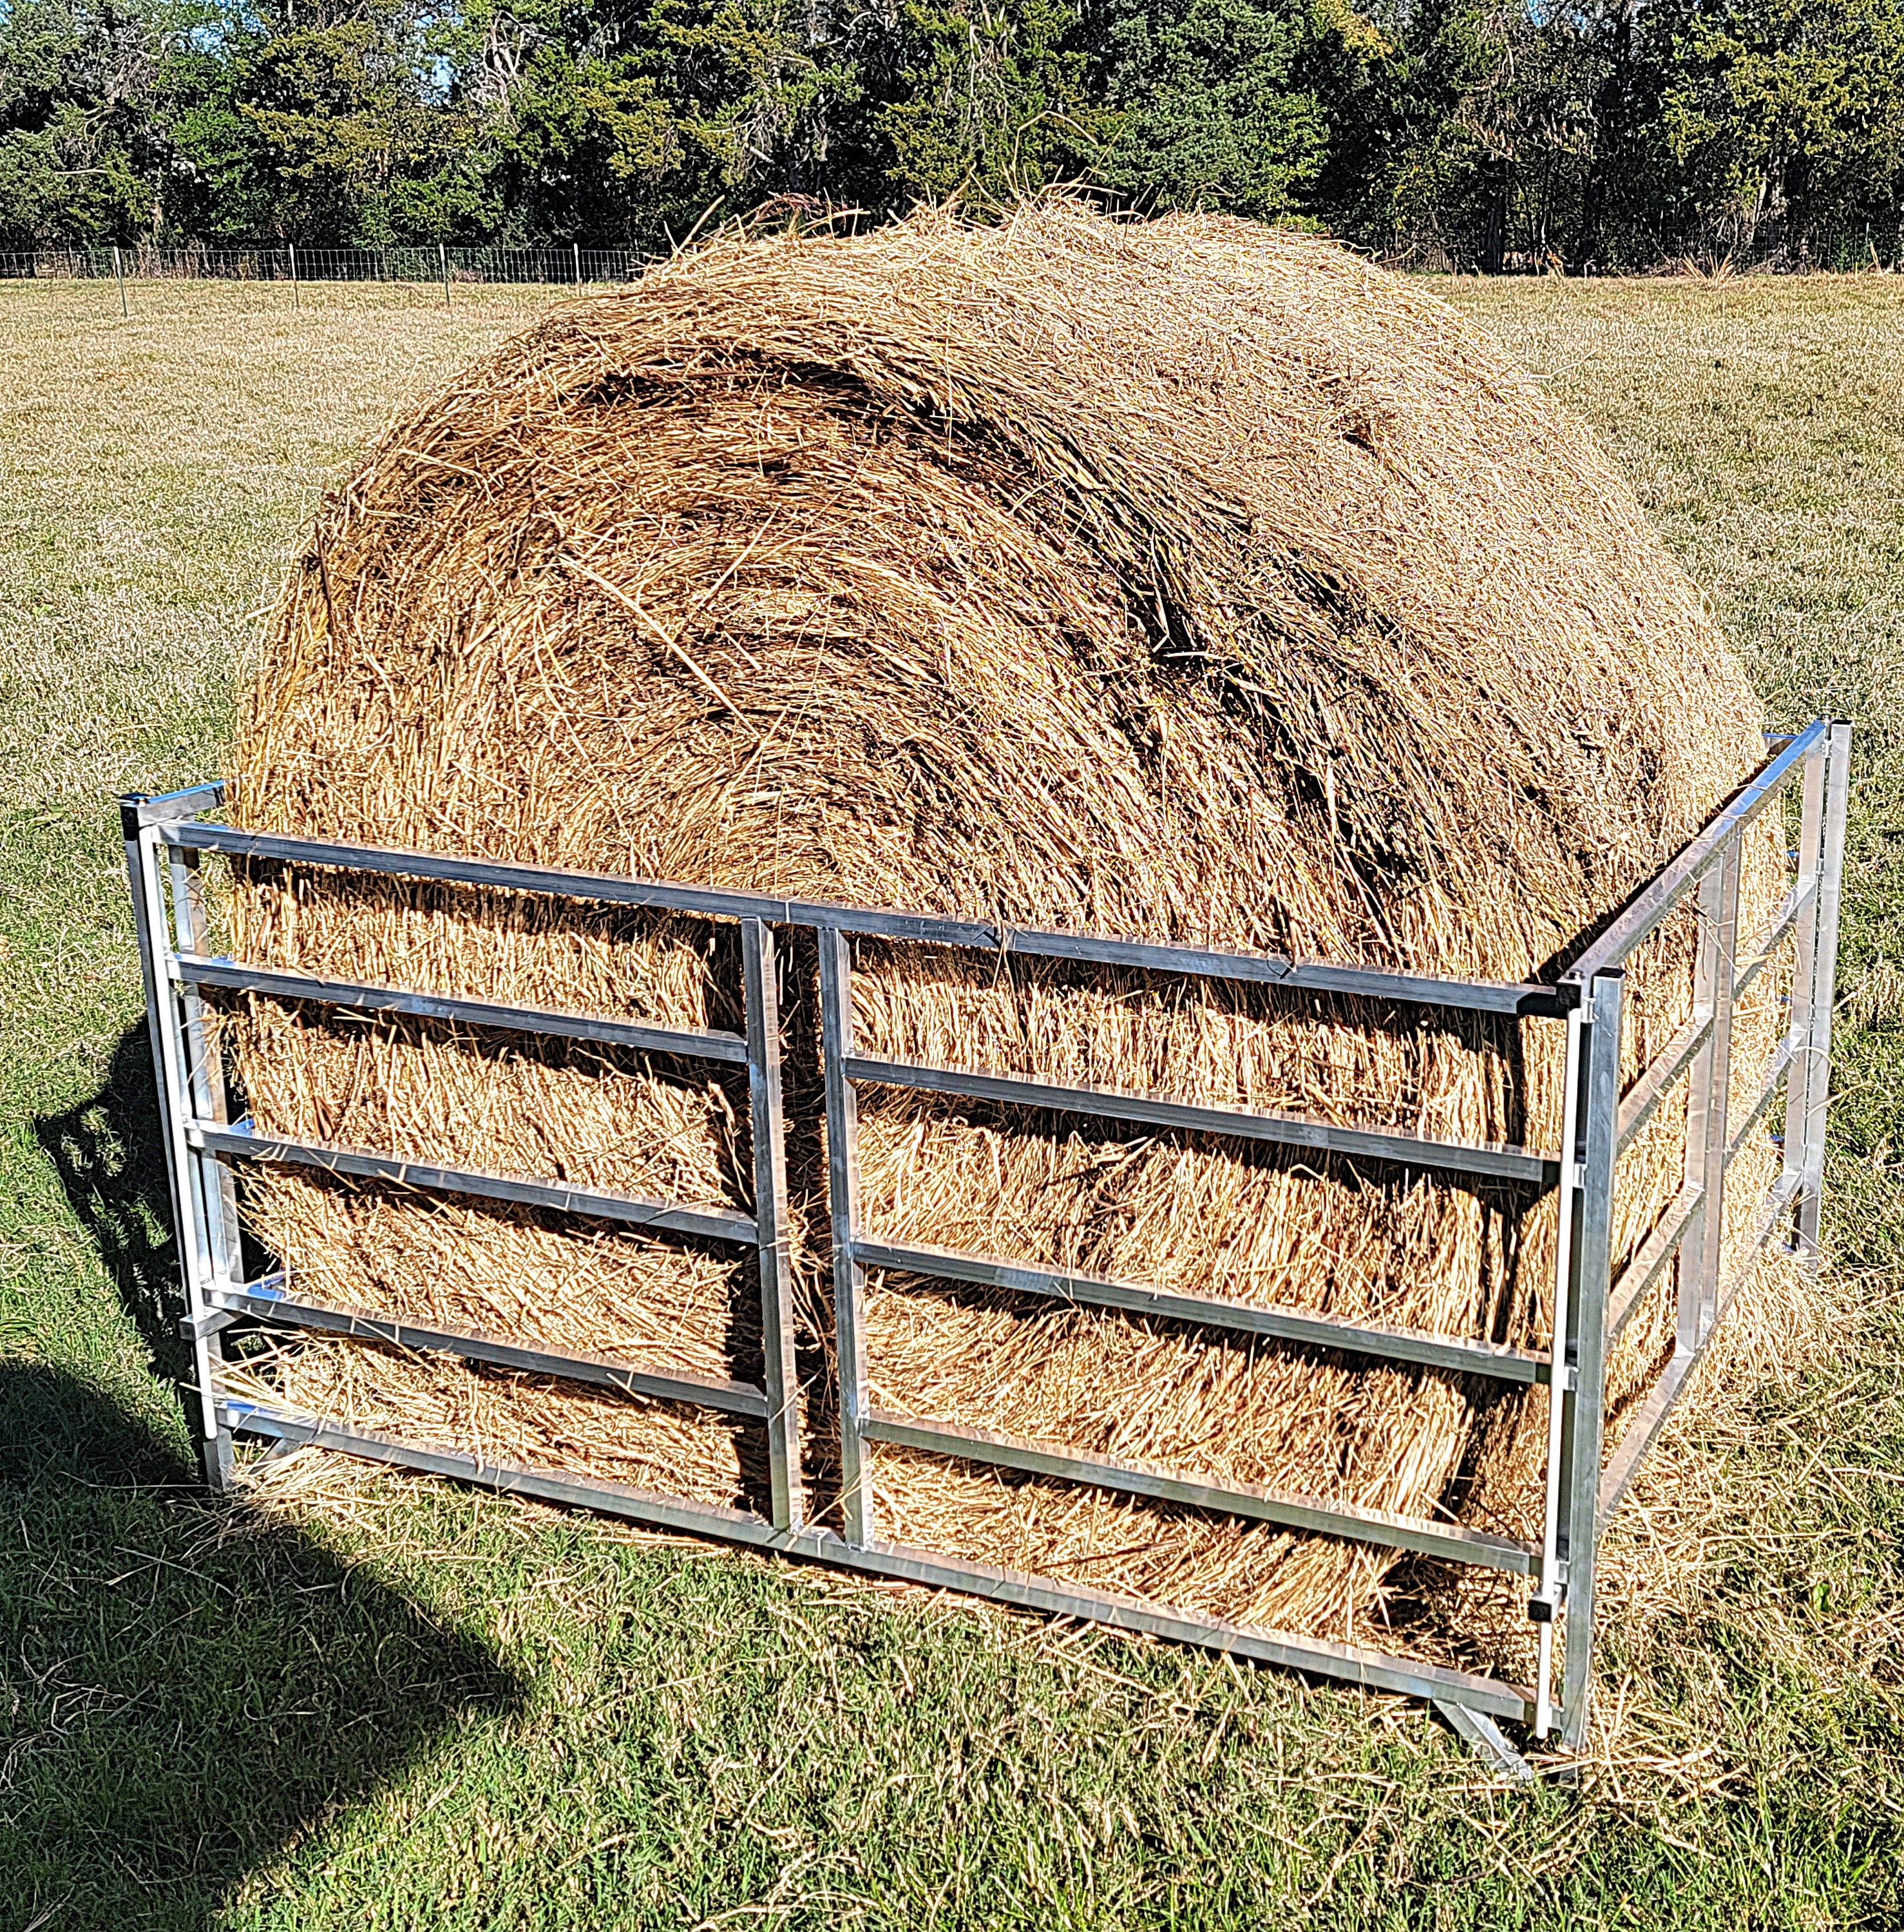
point(1596, 1292)
point(294, 262)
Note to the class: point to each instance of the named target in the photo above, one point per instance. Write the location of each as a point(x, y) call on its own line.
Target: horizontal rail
point(1452, 1540)
point(1267, 969)
point(1766, 945)
point(1372, 1670)
point(242, 1142)
point(681, 1043)
point(1287, 1325)
point(1643, 1270)
point(1643, 1430)
point(1510, 1163)
point(710, 902)
point(1655, 900)
point(170, 808)
point(1779, 1065)
point(1643, 1099)
point(1373, 983)
point(600, 1371)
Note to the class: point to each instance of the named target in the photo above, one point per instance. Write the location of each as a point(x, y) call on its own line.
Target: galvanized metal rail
point(165, 837)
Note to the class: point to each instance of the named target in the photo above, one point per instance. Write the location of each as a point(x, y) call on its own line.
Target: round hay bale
point(1189, 581)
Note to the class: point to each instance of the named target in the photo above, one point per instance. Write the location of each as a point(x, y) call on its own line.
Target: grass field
point(360, 1702)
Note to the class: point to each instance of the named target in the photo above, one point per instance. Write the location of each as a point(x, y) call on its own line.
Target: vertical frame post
point(1548, 1593)
point(843, 1206)
point(1709, 1103)
point(1802, 1015)
point(769, 1132)
point(205, 1072)
point(1585, 1402)
point(1817, 1054)
point(172, 1073)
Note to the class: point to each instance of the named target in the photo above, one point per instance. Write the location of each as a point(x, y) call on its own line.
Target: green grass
point(364, 1702)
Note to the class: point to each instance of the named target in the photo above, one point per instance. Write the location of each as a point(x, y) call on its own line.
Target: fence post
point(577, 247)
point(442, 258)
point(1584, 1415)
point(766, 1128)
point(843, 1208)
point(291, 250)
point(1823, 990)
point(119, 276)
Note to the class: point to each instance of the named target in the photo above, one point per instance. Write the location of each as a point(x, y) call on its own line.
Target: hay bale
point(1189, 581)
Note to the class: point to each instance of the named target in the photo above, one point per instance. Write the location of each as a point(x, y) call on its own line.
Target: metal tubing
point(1775, 1077)
point(1392, 1532)
point(171, 1067)
point(767, 1130)
point(1765, 948)
point(277, 1309)
point(1708, 1100)
point(1373, 983)
point(136, 809)
point(1584, 1404)
point(1546, 1596)
point(707, 900)
point(1511, 1163)
point(843, 1207)
point(218, 1192)
point(1317, 1656)
point(711, 1224)
point(1804, 957)
point(1643, 916)
point(195, 970)
point(1362, 982)
point(1643, 1099)
point(1817, 1050)
point(1248, 1318)
point(1649, 1262)
point(214, 1447)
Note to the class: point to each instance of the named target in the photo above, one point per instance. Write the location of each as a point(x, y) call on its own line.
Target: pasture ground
point(366, 1701)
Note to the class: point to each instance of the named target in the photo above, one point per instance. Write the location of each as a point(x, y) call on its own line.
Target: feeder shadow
point(192, 1686)
point(111, 1164)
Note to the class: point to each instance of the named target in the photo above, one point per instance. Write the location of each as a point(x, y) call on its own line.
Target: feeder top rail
point(1647, 910)
point(173, 816)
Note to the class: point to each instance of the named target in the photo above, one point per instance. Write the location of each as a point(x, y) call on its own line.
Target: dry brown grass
point(1188, 581)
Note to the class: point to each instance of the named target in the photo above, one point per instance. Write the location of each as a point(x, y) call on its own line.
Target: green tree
point(1787, 115)
point(79, 159)
point(1209, 112)
point(986, 97)
point(351, 117)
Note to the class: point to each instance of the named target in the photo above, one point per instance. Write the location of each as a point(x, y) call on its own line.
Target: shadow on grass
point(110, 1161)
point(189, 1687)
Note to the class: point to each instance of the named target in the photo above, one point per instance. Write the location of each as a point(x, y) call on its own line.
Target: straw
point(1189, 580)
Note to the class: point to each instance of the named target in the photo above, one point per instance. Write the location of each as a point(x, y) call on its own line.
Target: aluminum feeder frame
point(165, 836)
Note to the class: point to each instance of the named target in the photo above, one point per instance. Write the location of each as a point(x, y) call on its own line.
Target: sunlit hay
point(1188, 581)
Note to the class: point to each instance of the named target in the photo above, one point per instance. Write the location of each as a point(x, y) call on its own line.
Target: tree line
point(1528, 134)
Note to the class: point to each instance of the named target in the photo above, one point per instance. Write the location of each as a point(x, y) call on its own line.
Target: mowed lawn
point(359, 1701)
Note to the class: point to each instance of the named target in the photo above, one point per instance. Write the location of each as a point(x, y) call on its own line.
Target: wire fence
point(294, 263)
